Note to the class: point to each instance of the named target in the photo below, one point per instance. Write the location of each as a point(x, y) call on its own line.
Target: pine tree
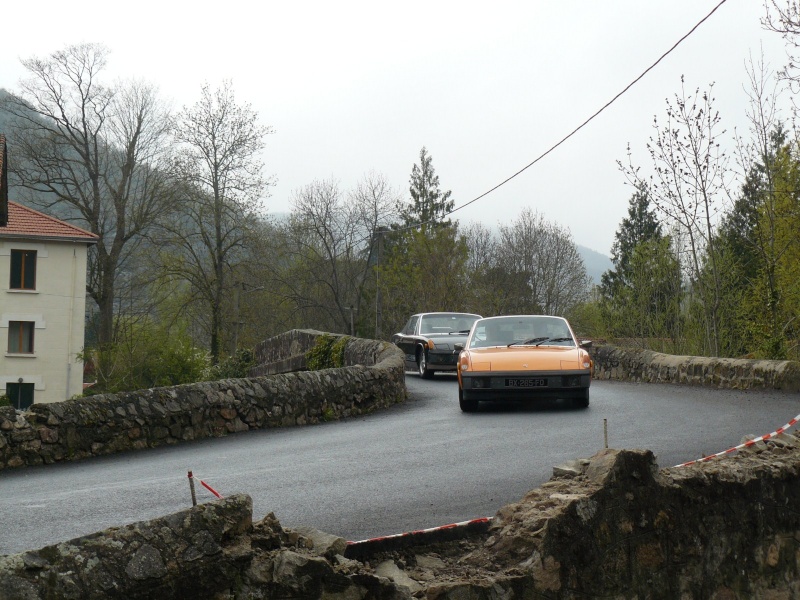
point(640, 226)
point(641, 295)
point(429, 205)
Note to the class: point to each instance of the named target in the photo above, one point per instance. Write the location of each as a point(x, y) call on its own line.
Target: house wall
point(57, 306)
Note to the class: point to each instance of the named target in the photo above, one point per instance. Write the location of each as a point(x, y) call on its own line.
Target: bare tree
point(94, 155)
point(542, 257)
point(784, 18)
point(689, 182)
point(330, 239)
point(485, 291)
point(220, 164)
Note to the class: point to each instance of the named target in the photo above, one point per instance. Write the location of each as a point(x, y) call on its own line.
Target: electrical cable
point(591, 118)
point(568, 136)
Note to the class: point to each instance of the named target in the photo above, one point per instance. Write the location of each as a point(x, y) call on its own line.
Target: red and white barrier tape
point(747, 444)
point(424, 531)
point(209, 488)
point(205, 485)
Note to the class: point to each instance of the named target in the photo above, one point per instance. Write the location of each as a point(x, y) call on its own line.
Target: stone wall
point(373, 378)
point(627, 364)
point(284, 353)
point(611, 526)
point(191, 554)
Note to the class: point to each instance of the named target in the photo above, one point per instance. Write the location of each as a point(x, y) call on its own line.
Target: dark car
point(429, 339)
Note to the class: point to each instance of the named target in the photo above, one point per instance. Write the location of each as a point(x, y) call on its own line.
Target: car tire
point(466, 405)
point(422, 365)
point(583, 400)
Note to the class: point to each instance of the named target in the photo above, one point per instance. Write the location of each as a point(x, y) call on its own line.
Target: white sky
point(356, 86)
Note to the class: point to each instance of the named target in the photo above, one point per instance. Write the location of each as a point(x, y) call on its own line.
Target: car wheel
point(466, 405)
point(422, 365)
point(583, 400)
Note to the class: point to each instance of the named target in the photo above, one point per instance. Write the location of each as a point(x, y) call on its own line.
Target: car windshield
point(521, 331)
point(447, 323)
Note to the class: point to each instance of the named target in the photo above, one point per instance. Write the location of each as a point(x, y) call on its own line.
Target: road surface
point(420, 464)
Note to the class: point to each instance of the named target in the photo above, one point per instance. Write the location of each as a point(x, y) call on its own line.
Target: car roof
point(520, 316)
point(447, 312)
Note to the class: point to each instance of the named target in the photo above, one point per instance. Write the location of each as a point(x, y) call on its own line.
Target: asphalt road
point(416, 465)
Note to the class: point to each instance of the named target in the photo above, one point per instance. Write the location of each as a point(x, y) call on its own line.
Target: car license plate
point(525, 382)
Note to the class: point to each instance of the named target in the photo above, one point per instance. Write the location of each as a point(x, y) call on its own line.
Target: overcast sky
point(351, 87)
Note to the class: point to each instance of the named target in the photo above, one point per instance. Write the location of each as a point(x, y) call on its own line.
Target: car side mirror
point(586, 344)
point(459, 346)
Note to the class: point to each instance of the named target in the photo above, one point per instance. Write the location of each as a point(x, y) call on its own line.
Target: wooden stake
point(191, 487)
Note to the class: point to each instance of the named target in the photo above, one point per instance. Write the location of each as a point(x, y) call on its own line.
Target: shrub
point(233, 367)
point(151, 356)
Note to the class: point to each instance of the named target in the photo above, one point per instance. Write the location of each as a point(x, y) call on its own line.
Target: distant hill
point(596, 263)
point(4, 117)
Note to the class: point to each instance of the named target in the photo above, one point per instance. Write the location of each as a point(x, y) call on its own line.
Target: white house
point(42, 301)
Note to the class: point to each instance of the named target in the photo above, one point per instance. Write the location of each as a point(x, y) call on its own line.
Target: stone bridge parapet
point(630, 364)
point(372, 377)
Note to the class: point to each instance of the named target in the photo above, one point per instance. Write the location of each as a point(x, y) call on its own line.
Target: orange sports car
point(523, 357)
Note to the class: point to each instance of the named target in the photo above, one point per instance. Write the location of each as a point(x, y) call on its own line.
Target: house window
point(20, 395)
point(20, 337)
point(23, 270)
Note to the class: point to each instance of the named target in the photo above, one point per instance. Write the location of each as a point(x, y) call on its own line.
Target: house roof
point(24, 222)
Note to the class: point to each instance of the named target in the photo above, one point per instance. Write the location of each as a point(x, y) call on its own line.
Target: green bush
point(327, 353)
point(151, 356)
point(4, 401)
point(233, 367)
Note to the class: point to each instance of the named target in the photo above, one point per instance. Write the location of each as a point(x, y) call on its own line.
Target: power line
point(569, 135)
point(591, 118)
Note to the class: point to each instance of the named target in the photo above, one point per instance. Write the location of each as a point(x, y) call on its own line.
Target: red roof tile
point(24, 222)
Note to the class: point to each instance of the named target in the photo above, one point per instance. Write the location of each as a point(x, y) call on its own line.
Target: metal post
point(378, 284)
point(235, 341)
point(352, 326)
point(191, 487)
point(605, 431)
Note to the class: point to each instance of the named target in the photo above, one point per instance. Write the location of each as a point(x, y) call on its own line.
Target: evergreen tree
point(429, 205)
point(759, 237)
point(640, 226)
point(424, 255)
point(640, 296)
